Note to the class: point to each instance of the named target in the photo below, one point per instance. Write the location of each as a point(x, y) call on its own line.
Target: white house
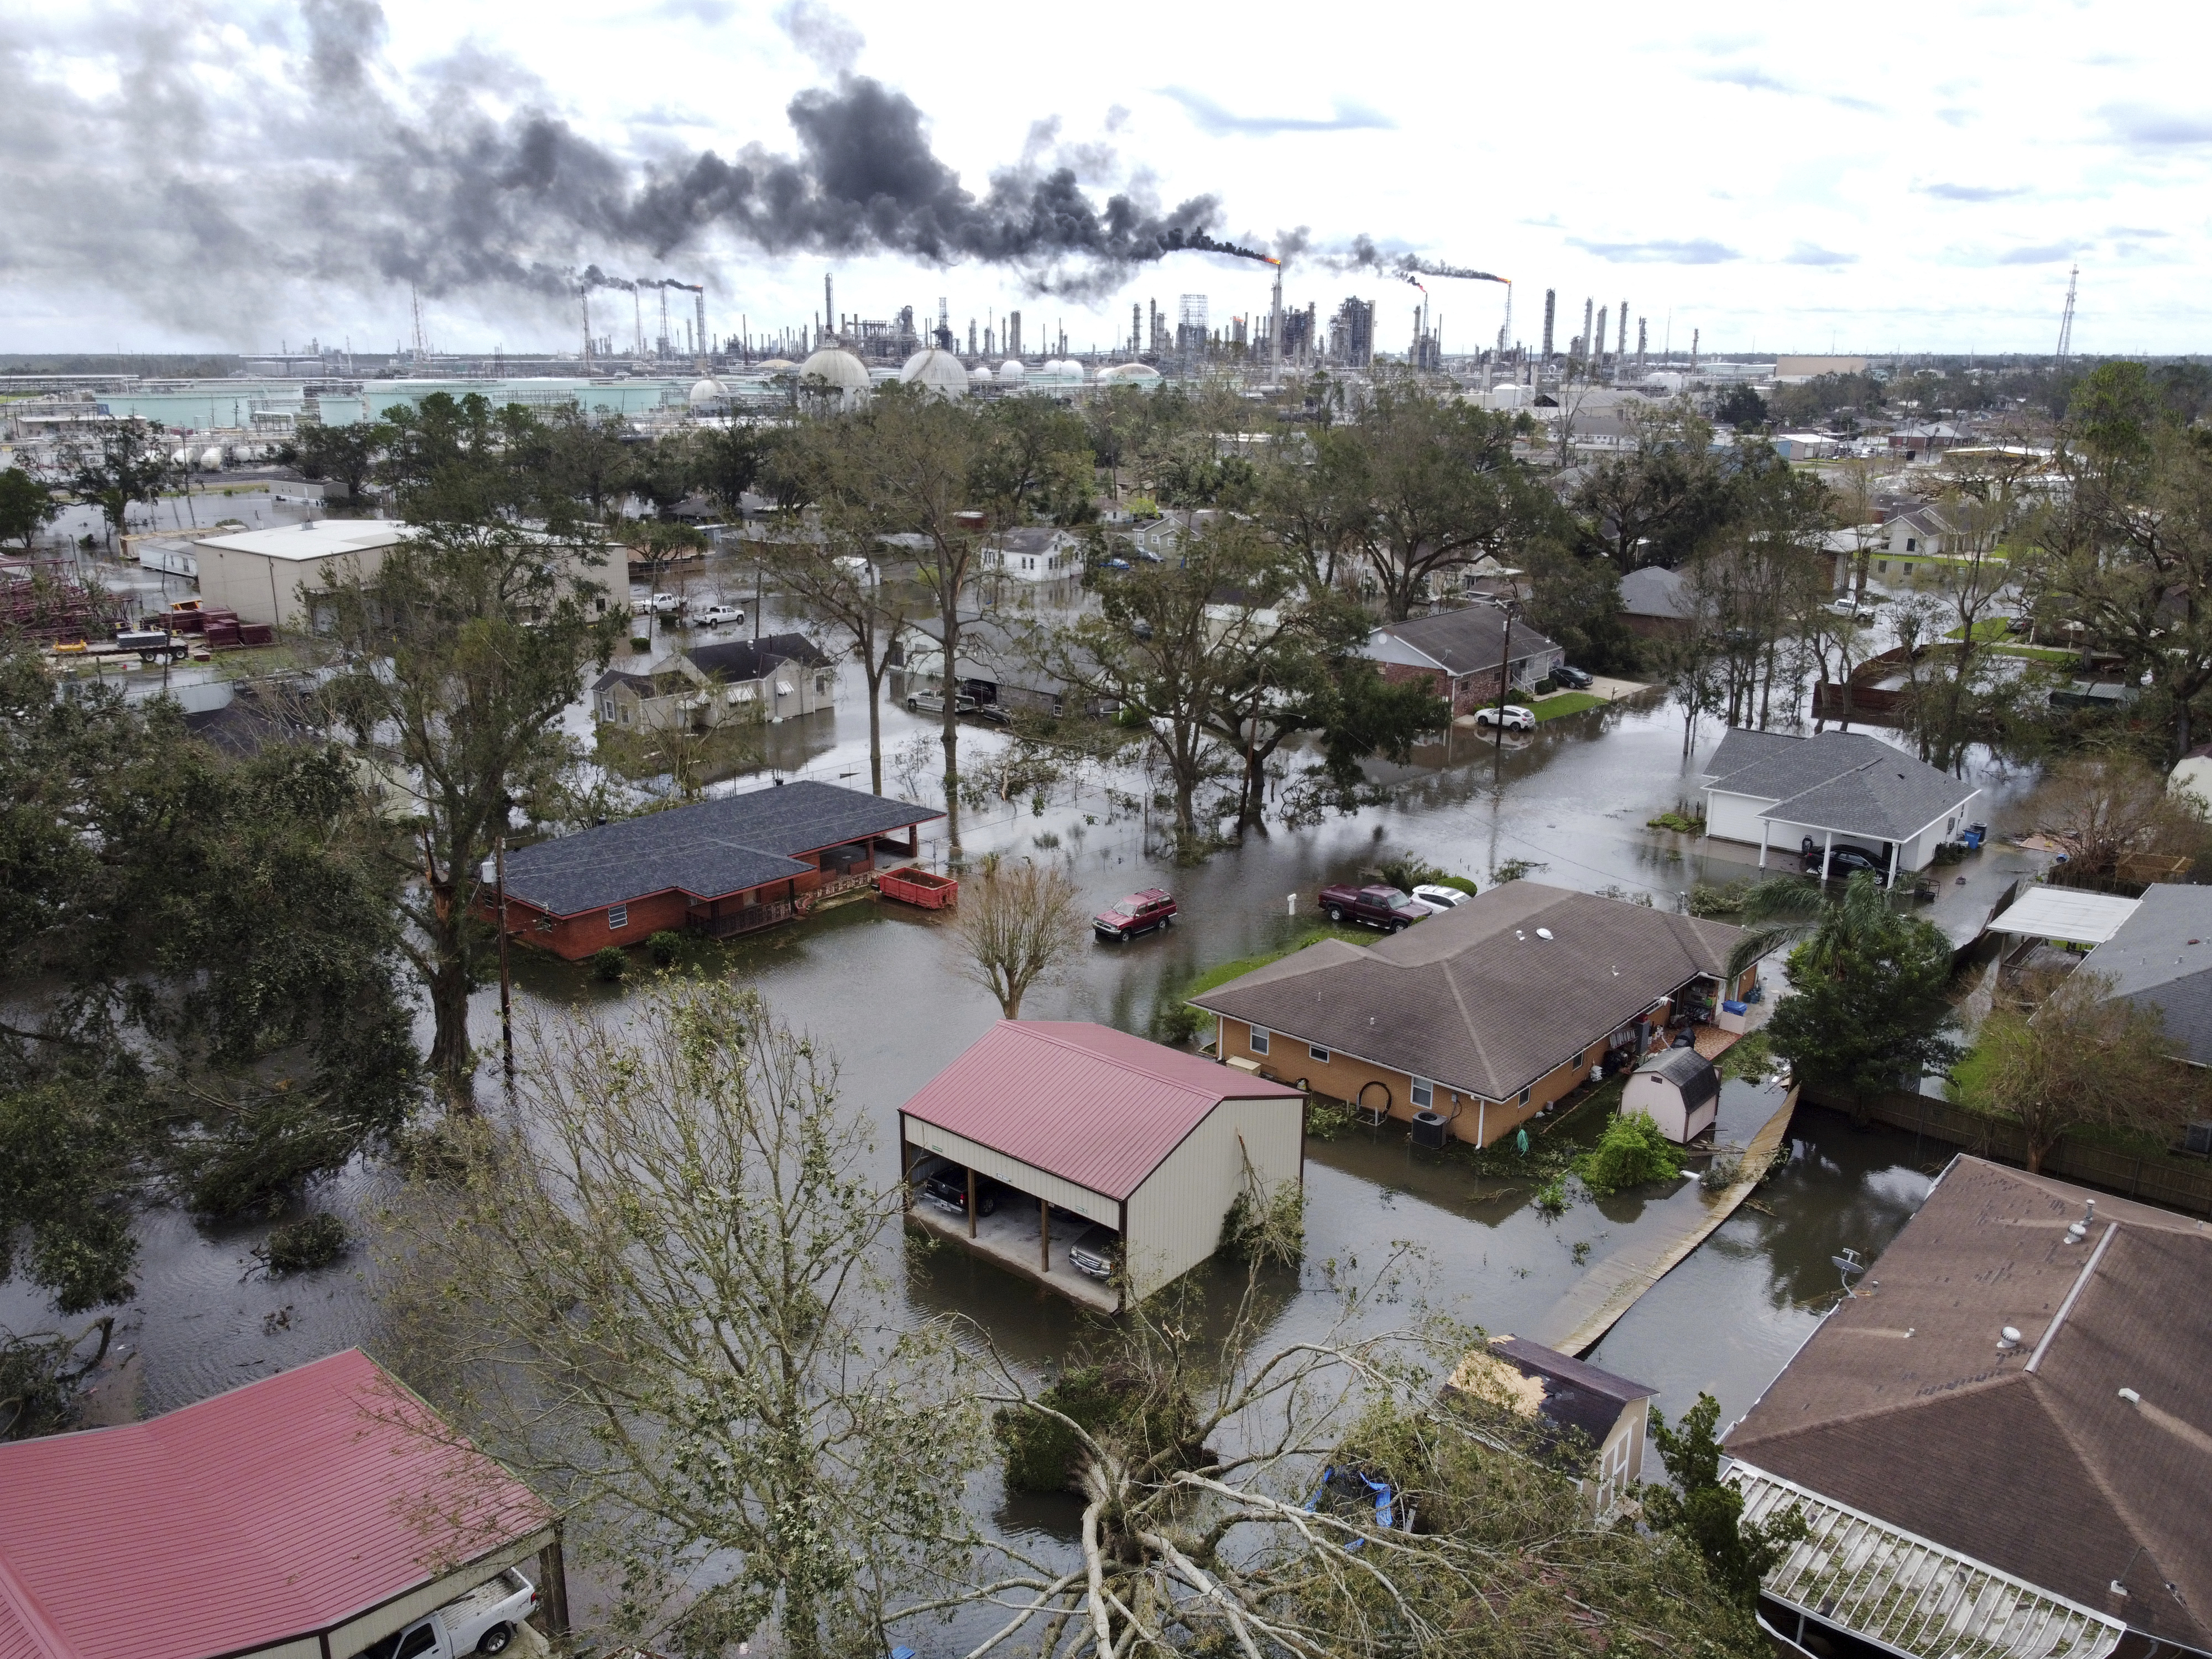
point(1833, 788)
point(1036, 553)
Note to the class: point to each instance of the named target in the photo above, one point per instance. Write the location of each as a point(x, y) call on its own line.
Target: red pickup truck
point(1386, 907)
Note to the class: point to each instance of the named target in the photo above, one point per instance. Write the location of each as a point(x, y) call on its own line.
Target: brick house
point(1486, 1014)
point(1459, 653)
point(722, 867)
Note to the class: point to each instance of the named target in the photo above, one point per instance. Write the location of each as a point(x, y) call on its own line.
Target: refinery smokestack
point(1551, 306)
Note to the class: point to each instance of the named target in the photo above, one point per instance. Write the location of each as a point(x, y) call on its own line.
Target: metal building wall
point(1174, 1217)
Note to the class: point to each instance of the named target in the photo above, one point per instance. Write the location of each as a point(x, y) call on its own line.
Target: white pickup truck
point(482, 1621)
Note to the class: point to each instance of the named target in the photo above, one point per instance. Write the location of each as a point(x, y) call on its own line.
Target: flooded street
point(871, 981)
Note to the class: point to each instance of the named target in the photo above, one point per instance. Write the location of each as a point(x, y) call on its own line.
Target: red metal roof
point(275, 1510)
point(1085, 1102)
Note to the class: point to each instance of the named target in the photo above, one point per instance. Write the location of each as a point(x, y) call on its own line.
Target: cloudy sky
point(1919, 179)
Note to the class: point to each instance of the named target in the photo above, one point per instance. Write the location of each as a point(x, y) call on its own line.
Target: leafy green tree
point(112, 464)
point(1741, 407)
point(1662, 501)
point(454, 661)
point(346, 454)
point(27, 506)
point(588, 455)
point(1422, 485)
point(1865, 1014)
point(2126, 553)
point(202, 993)
point(1708, 1512)
point(726, 462)
point(1034, 460)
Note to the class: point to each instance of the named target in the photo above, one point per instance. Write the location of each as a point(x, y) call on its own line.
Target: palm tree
point(1784, 909)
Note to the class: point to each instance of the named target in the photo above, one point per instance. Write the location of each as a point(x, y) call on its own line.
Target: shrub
point(1681, 823)
point(1327, 1120)
point(638, 642)
point(302, 1246)
point(1632, 1152)
point(609, 963)
point(1551, 1196)
point(1111, 1403)
point(663, 947)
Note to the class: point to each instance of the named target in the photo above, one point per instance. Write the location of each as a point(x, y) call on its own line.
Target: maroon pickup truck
point(1386, 908)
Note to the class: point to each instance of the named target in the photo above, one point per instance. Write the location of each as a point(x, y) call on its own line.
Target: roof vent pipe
point(2007, 1339)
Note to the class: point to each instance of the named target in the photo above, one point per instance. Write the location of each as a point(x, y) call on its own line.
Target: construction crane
point(2066, 321)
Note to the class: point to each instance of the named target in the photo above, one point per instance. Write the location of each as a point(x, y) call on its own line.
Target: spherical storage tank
point(980, 375)
point(708, 392)
point(211, 459)
point(937, 371)
point(1129, 374)
point(835, 374)
point(1010, 372)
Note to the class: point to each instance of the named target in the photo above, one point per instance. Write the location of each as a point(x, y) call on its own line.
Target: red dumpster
point(918, 886)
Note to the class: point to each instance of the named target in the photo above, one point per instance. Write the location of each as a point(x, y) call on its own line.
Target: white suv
point(1513, 717)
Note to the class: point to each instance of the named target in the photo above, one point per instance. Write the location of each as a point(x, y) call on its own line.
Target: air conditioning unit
point(2197, 1137)
point(1429, 1130)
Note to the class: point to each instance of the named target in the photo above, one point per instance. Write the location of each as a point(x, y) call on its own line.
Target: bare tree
point(1017, 924)
point(2102, 809)
point(651, 1292)
point(2066, 1055)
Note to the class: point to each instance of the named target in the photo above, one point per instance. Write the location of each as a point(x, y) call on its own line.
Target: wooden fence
point(2175, 1182)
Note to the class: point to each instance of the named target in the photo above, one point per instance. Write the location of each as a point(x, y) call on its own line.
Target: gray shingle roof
point(736, 661)
point(2161, 957)
point(708, 851)
point(1473, 999)
point(1841, 781)
point(1697, 1079)
point(1656, 591)
point(1468, 641)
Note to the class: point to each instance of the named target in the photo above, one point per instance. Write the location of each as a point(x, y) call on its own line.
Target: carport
point(1084, 1124)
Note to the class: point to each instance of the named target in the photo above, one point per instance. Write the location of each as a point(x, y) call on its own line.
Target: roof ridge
point(1035, 1028)
point(1450, 965)
point(1941, 1395)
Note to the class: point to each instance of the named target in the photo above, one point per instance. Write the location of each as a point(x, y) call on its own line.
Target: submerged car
point(1096, 1254)
point(944, 1184)
point(1512, 717)
point(1843, 859)
point(1140, 913)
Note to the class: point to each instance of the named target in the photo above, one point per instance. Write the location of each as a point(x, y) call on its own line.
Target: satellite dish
point(1850, 1266)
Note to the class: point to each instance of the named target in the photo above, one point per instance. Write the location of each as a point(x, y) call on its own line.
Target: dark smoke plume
point(203, 207)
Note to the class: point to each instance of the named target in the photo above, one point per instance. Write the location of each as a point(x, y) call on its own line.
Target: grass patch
point(1988, 628)
point(1567, 703)
point(1176, 1021)
point(1681, 824)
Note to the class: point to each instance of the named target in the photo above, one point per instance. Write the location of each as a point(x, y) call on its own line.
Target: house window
point(1911, 543)
point(1907, 568)
point(625, 717)
point(1259, 1041)
point(1425, 1095)
point(1314, 1050)
point(1582, 1059)
point(1881, 566)
point(1524, 1096)
point(617, 918)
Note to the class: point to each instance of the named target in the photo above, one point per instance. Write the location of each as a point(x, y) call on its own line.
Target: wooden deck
point(1612, 1286)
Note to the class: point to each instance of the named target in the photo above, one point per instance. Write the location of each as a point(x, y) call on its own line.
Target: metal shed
point(1084, 1124)
point(1679, 1090)
point(304, 1516)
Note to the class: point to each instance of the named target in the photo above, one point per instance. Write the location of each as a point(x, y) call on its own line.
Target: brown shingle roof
point(2049, 1473)
point(1476, 999)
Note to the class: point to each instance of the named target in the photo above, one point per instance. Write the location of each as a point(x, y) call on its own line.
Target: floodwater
point(871, 981)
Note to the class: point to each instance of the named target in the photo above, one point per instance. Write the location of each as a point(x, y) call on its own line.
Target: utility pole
point(506, 989)
point(1504, 685)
